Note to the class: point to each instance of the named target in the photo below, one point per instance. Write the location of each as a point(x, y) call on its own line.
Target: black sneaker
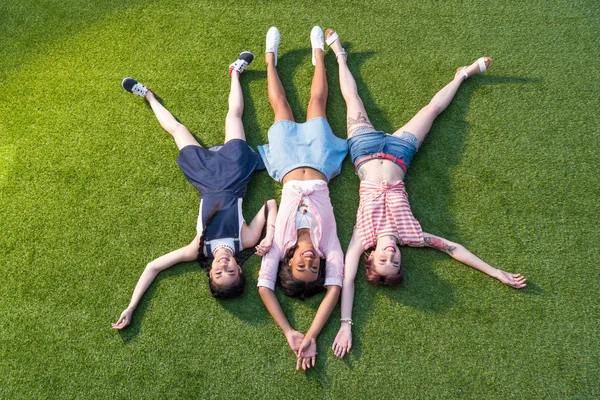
point(133, 86)
point(242, 62)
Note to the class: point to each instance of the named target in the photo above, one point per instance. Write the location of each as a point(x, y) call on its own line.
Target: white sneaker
point(133, 86)
point(317, 41)
point(273, 39)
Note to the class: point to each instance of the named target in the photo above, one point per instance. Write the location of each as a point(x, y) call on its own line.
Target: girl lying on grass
point(221, 173)
point(384, 219)
point(306, 256)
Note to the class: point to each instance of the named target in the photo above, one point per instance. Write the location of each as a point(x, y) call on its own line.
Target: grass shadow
point(286, 68)
point(532, 289)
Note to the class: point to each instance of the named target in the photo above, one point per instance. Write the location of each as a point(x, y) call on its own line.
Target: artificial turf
point(90, 192)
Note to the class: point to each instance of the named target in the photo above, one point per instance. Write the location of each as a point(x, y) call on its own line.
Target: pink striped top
point(384, 210)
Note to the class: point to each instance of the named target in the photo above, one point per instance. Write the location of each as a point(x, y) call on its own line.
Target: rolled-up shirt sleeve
point(267, 276)
point(334, 257)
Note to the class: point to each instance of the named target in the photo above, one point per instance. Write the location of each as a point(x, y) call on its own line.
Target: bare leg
point(357, 119)
point(418, 127)
point(180, 133)
point(277, 98)
point(318, 89)
point(234, 128)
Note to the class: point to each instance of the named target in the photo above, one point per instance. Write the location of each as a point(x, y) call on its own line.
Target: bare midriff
point(303, 174)
point(379, 170)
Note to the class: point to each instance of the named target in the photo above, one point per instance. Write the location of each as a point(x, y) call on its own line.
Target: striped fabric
point(384, 210)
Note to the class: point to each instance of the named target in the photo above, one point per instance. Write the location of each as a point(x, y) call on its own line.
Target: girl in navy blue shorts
point(221, 174)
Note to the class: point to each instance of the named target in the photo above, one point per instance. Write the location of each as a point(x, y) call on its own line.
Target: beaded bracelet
point(348, 320)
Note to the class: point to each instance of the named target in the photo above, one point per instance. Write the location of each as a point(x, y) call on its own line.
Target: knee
point(319, 99)
point(352, 98)
point(235, 113)
point(279, 102)
point(433, 108)
point(178, 129)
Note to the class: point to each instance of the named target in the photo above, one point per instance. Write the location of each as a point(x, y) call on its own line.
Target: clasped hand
point(264, 246)
point(304, 347)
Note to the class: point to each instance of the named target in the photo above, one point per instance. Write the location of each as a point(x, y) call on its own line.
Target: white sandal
point(482, 66)
point(333, 36)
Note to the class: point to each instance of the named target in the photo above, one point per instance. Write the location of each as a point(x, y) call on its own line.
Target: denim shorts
point(379, 145)
point(311, 144)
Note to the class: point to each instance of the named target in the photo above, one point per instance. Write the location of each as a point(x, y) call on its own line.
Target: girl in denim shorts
point(384, 219)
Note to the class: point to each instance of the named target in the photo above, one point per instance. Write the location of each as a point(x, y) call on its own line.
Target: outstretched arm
point(460, 253)
point(307, 351)
point(251, 233)
point(293, 337)
point(184, 254)
point(343, 340)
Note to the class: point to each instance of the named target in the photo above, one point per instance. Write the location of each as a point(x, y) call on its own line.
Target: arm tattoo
point(439, 244)
point(410, 138)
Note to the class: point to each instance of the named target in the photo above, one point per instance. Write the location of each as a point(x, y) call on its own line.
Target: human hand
point(343, 341)
point(124, 319)
point(307, 353)
point(294, 339)
point(516, 281)
point(264, 246)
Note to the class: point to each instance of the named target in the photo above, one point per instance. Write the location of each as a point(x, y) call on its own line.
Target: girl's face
point(386, 256)
point(225, 270)
point(305, 263)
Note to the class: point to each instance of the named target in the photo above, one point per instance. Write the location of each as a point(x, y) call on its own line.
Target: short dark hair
point(375, 278)
point(297, 288)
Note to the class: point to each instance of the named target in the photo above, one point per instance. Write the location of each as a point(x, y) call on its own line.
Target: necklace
point(302, 218)
point(221, 246)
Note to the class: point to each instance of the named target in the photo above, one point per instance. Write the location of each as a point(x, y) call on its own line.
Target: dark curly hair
point(297, 288)
point(375, 278)
point(237, 288)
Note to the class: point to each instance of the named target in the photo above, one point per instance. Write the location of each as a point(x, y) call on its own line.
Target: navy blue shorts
point(379, 145)
point(220, 168)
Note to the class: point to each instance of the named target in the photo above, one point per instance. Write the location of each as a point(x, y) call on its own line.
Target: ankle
point(269, 58)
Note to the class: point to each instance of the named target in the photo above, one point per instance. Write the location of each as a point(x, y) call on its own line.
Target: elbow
point(271, 203)
point(458, 252)
point(334, 291)
point(264, 291)
point(152, 268)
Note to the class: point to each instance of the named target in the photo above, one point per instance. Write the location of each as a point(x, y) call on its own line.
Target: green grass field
point(90, 193)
